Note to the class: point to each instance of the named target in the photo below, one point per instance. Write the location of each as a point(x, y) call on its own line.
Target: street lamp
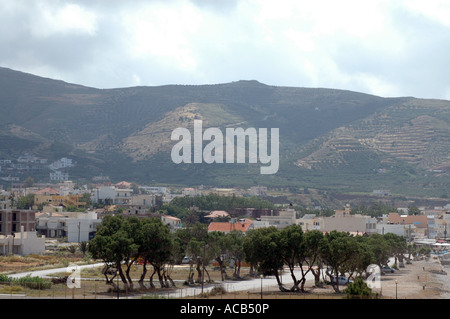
point(261, 276)
point(117, 284)
point(396, 282)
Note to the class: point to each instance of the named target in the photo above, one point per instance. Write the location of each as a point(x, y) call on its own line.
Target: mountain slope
point(330, 139)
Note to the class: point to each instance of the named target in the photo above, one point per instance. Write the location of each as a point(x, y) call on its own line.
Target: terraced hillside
point(415, 132)
point(329, 139)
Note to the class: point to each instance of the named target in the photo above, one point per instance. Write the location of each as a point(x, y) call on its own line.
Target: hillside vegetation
point(329, 139)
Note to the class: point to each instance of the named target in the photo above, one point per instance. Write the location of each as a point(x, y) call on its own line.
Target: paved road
point(237, 286)
point(230, 286)
point(46, 272)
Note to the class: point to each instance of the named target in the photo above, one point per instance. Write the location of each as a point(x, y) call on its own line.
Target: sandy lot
point(422, 279)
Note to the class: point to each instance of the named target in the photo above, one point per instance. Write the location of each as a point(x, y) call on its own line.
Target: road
point(47, 272)
point(230, 286)
point(244, 285)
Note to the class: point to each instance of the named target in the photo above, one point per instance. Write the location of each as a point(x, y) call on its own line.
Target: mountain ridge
point(125, 132)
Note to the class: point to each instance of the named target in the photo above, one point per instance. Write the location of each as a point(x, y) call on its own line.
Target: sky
point(386, 48)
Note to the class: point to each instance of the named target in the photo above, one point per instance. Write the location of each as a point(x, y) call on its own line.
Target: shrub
point(358, 289)
point(27, 281)
point(217, 290)
point(4, 279)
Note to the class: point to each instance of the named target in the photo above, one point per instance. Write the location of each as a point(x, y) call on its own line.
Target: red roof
point(227, 226)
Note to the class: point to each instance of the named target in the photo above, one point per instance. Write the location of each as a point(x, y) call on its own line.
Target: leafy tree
point(217, 245)
point(293, 250)
point(25, 202)
point(413, 210)
point(154, 247)
point(83, 247)
point(29, 182)
point(336, 249)
point(234, 244)
point(361, 257)
point(373, 210)
point(113, 245)
point(262, 247)
point(380, 249)
point(312, 258)
point(398, 246)
point(194, 239)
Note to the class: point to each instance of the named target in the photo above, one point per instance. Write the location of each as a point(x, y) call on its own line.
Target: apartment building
point(344, 221)
point(11, 221)
point(111, 195)
point(281, 218)
point(76, 227)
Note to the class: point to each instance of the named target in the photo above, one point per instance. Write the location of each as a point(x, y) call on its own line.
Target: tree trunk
point(165, 280)
point(209, 278)
point(237, 269)
point(168, 272)
point(199, 272)
point(121, 275)
point(160, 277)
point(151, 278)
point(127, 273)
point(144, 272)
point(280, 284)
point(294, 278)
point(316, 275)
point(222, 268)
point(335, 284)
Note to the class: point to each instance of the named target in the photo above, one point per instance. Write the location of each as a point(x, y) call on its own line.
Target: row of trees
point(338, 253)
point(122, 242)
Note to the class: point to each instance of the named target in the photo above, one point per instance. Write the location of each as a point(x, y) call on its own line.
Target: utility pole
point(203, 264)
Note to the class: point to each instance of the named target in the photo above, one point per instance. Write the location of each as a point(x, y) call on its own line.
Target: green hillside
point(329, 139)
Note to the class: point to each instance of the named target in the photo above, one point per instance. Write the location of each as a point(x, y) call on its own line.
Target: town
point(72, 213)
point(44, 218)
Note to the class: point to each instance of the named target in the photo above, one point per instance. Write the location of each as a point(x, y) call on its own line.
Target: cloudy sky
point(386, 48)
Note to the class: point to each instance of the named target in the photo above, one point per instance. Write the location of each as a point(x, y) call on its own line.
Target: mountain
point(330, 139)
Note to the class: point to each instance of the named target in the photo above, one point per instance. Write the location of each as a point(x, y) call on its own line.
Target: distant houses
point(24, 231)
point(17, 233)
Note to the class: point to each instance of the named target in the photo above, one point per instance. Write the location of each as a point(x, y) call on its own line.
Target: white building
point(22, 243)
point(281, 219)
point(62, 163)
point(399, 230)
point(75, 226)
point(173, 222)
point(59, 176)
point(310, 222)
point(350, 223)
point(111, 195)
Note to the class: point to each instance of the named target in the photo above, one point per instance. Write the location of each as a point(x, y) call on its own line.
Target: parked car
point(342, 280)
point(186, 260)
point(386, 269)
